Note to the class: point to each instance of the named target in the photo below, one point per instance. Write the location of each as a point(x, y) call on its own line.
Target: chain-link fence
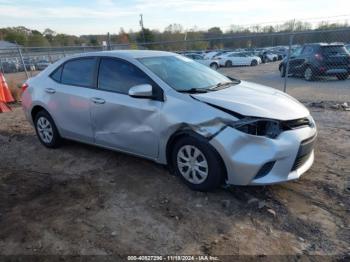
point(317, 61)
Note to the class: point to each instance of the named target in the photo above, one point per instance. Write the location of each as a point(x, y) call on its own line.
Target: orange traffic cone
point(5, 94)
point(4, 108)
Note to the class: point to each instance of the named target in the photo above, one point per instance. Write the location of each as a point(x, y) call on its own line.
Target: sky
point(101, 16)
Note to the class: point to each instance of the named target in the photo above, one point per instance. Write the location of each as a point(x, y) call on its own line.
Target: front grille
point(305, 149)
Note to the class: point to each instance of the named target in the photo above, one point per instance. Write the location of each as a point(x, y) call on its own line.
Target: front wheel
point(282, 71)
point(46, 130)
point(197, 163)
point(214, 66)
point(309, 74)
point(254, 63)
point(228, 63)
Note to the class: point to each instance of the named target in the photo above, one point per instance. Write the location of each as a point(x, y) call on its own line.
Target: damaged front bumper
point(259, 160)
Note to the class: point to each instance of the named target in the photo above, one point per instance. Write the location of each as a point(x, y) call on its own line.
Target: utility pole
point(109, 41)
point(291, 36)
point(142, 29)
point(185, 40)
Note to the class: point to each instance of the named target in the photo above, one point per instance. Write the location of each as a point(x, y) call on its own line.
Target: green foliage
point(145, 36)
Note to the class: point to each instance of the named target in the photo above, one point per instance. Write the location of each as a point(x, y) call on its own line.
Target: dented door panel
point(126, 123)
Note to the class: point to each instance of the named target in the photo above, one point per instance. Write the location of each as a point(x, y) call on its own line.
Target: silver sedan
point(208, 128)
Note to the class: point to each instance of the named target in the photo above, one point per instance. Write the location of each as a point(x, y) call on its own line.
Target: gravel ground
point(82, 200)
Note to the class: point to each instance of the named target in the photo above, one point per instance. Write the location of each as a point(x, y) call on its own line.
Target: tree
point(214, 32)
point(37, 39)
point(16, 37)
point(49, 34)
point(123, 38)
point(145, 36)
point(93, 41)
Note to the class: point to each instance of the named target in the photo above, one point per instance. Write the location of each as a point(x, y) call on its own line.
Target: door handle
point(50, 90)
point(97, 100)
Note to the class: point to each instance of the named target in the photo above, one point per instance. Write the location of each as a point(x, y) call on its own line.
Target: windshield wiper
point(220, 85)
point(193, 90)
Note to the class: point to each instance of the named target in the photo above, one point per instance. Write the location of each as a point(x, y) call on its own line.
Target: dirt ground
point(82, 200)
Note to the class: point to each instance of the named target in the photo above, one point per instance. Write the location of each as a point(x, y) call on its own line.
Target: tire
point(309, 74)
point(46, 130)
point(214, 66)
point(282, 71)
point(254, 63)
point(208, 172)
point(228, 63)
point(342, 76)
point(274, 59)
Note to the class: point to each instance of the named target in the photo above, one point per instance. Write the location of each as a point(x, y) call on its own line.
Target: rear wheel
point(214, 66)
point(343, 76)
point(254, 63)
point(282, 71)
point(309, 74)
point(228, 63)
point(46, 130)
point(197, 163)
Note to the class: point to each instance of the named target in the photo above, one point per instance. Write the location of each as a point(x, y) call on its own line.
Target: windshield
point(183, 74)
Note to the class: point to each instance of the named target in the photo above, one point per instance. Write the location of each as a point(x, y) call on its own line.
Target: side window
point(307, 50)
point(297, 52)
point(79, 72)
point(119, 76)
point(56, 75)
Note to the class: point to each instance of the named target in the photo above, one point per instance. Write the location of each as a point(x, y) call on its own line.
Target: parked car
point(270, 56)
point(313, 60)
point(208, 128)
point(213, 64)
point(42, 64)
point(29, 64)
point(210, 55)
point(9, 67)
point(238, 59)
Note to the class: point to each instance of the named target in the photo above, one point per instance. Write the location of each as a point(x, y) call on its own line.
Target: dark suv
point(312, 60)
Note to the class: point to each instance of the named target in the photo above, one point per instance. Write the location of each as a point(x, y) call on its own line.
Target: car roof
point(126, 54)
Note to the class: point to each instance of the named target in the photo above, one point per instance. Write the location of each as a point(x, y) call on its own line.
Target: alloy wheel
point(192, 164)
point(308, 73)
point(45, 130)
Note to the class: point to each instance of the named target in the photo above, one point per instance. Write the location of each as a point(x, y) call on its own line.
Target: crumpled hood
point(251, 99)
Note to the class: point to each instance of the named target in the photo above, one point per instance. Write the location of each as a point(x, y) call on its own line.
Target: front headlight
point(258, 127)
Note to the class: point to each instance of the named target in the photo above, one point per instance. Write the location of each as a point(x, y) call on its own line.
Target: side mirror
point(141, 91)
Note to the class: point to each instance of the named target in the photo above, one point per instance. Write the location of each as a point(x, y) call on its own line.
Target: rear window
point(56, 75)
point(334, 50)
point(79, 72)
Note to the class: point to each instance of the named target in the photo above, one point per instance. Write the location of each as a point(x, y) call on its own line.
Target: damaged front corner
point(210, 128)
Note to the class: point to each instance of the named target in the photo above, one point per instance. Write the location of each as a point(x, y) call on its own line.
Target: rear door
point(122, 122)
point(68, 97)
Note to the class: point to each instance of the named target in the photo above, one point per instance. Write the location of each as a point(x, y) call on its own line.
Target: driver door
point(120, 121)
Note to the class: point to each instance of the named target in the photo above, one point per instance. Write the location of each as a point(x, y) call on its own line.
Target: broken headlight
point(259, 127)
